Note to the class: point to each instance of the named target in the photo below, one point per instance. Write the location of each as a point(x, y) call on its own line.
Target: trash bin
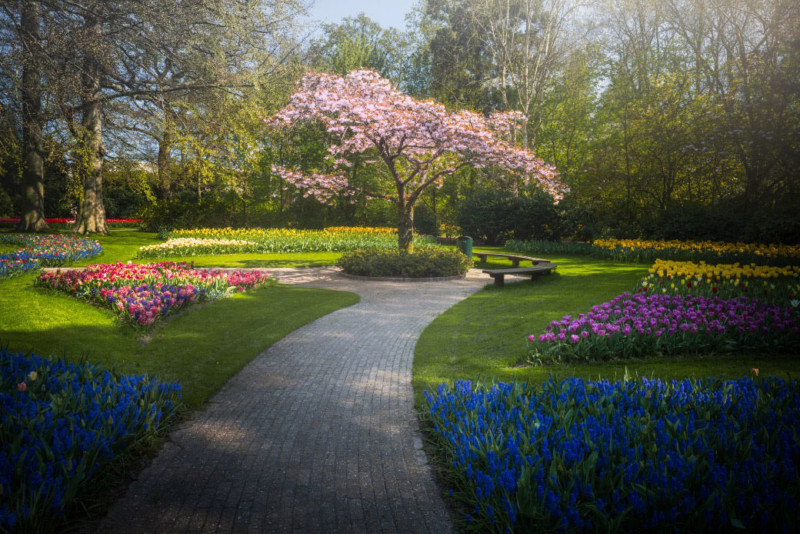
point(465, 246)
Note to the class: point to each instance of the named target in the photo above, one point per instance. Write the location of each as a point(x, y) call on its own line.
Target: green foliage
point(359, 42)
point(494, 216)
point(550, 248)
point(421, 263)
point(425, 220)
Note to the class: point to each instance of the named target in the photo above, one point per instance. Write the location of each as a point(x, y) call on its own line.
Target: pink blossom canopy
point(420, 142)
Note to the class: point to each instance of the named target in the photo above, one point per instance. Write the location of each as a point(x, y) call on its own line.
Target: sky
point(385, 12)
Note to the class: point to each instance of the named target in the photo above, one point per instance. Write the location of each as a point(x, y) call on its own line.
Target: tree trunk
point(164, 162)
point(92, 216)
point(405, 228)
point(405, 222)
point(32, 217)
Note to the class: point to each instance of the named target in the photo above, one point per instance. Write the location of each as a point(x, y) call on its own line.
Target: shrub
point(630, 456)
point(425, 221)
point(643, 251)
point(550, 248)
point(60, 423)
point(495, 216)
point(422, 263)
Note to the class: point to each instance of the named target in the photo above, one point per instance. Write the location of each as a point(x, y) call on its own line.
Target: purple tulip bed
point(642, 325)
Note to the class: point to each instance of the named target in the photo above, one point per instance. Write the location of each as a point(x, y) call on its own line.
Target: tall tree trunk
point(405, 221)
point(164, 162)
point(32, 219)
point(92, 216)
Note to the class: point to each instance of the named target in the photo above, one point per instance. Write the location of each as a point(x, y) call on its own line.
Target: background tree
point(360, 43)
point(134, 51)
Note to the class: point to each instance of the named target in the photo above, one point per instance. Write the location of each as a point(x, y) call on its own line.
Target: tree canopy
point(419, 143)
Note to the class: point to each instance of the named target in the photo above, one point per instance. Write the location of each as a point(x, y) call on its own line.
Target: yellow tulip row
point(703, 247)
point(736, 271)
point(780, 285)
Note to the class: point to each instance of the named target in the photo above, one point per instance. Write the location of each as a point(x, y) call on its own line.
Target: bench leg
point(499, 280)
point(534, 276)
point(514, 263)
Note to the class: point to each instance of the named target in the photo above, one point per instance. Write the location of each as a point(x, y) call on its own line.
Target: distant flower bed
point(768, 283)
point(630, 456)
point(143, 294)
point(644, 325)
point(44, 250)
point(284, 240)
point(697, 250)
point(63, 221)
point(59, 424)
point(192, 246)
point(362, 230)
point(644, 251)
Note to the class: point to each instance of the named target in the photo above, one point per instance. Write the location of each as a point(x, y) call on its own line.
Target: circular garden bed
point(421, 263)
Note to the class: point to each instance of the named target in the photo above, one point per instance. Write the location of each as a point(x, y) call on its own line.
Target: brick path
point(316, 434)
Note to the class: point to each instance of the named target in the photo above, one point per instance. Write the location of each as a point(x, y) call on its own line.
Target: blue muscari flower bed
point(631, 456)
point(44, 250)
point(59, 423)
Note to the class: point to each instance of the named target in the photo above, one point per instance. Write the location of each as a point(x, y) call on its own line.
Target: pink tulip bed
point(142, 294)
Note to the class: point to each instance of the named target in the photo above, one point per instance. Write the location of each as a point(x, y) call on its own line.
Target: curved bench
point(542, 268)
point(515, 258)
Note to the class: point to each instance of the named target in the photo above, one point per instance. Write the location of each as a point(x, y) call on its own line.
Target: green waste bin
point(465, 246)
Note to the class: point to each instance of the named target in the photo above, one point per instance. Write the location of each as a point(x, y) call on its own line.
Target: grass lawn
point(200, 348)
point(485, 336)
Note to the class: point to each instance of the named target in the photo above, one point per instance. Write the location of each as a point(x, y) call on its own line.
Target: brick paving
point(316, 434)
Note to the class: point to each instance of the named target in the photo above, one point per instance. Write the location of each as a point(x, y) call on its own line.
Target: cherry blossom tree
point(417, 143)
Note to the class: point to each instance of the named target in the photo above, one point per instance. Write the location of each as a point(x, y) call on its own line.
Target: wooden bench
point(515, 258)
point(537, 270)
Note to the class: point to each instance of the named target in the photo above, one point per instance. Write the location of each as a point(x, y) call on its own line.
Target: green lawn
point(201, 348)
point(485, 336)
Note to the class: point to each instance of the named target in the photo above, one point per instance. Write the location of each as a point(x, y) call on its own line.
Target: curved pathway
point(316, 434)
